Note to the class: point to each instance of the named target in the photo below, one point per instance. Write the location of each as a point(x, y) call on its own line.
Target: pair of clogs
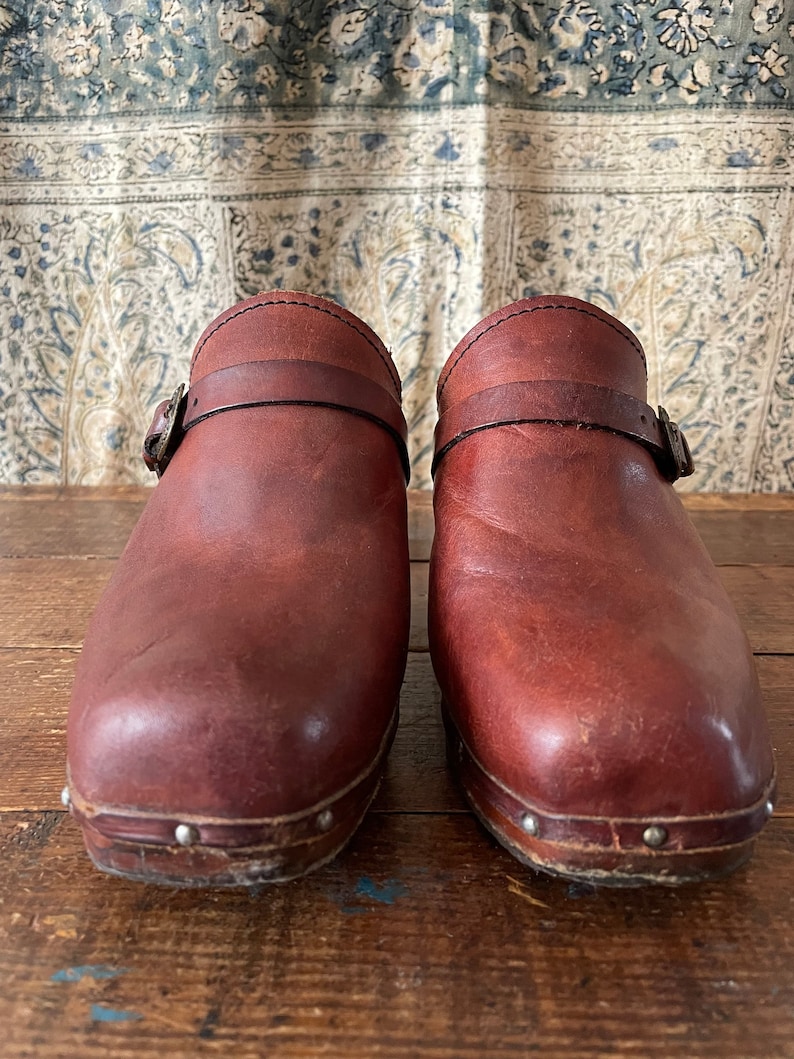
point(238, 689)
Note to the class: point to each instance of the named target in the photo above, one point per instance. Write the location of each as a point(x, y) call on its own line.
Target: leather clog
point(238, 688)
point(602, 706)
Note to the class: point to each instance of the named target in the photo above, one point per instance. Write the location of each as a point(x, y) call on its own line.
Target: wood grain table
point(424, 938)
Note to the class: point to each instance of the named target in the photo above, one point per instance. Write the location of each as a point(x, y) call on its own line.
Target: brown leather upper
point(246, 657)
point(586, 649)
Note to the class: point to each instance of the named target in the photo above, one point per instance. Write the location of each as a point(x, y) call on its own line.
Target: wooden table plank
point(747, 537)
point(70, 493)
point(34, 699)
point(423, 938)
point(738, 501)
point(47, 602)
point(80, 528)
point(764, 600)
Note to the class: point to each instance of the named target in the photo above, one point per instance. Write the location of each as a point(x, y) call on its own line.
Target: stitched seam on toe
point(536, 309)
point(392, 370)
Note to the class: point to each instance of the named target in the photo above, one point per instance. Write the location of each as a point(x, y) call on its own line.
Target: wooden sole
point(193, 851)
point(604, 851)
point(211, 866)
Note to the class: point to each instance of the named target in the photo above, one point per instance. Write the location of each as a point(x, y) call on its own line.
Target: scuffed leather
point(246, 657)
point(585, 647)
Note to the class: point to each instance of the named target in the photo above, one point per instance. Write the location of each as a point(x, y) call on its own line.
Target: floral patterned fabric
point(420, 161)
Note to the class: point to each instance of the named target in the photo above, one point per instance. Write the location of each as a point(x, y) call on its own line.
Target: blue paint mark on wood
point(96, 971)
point(100, 1013)
point(366, 894)
point(385, 893)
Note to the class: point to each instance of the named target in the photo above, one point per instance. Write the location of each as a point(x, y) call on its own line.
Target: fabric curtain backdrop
point(422, 162)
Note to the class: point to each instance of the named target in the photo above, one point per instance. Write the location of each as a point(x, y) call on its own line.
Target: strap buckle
point(165, 432)
point(677, 448)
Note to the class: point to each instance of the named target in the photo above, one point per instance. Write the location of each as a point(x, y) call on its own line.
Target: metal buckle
point(159, 447)
point(676, 445)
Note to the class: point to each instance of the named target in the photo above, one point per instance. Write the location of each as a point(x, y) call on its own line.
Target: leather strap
point(262, 383)
point(565, 403)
